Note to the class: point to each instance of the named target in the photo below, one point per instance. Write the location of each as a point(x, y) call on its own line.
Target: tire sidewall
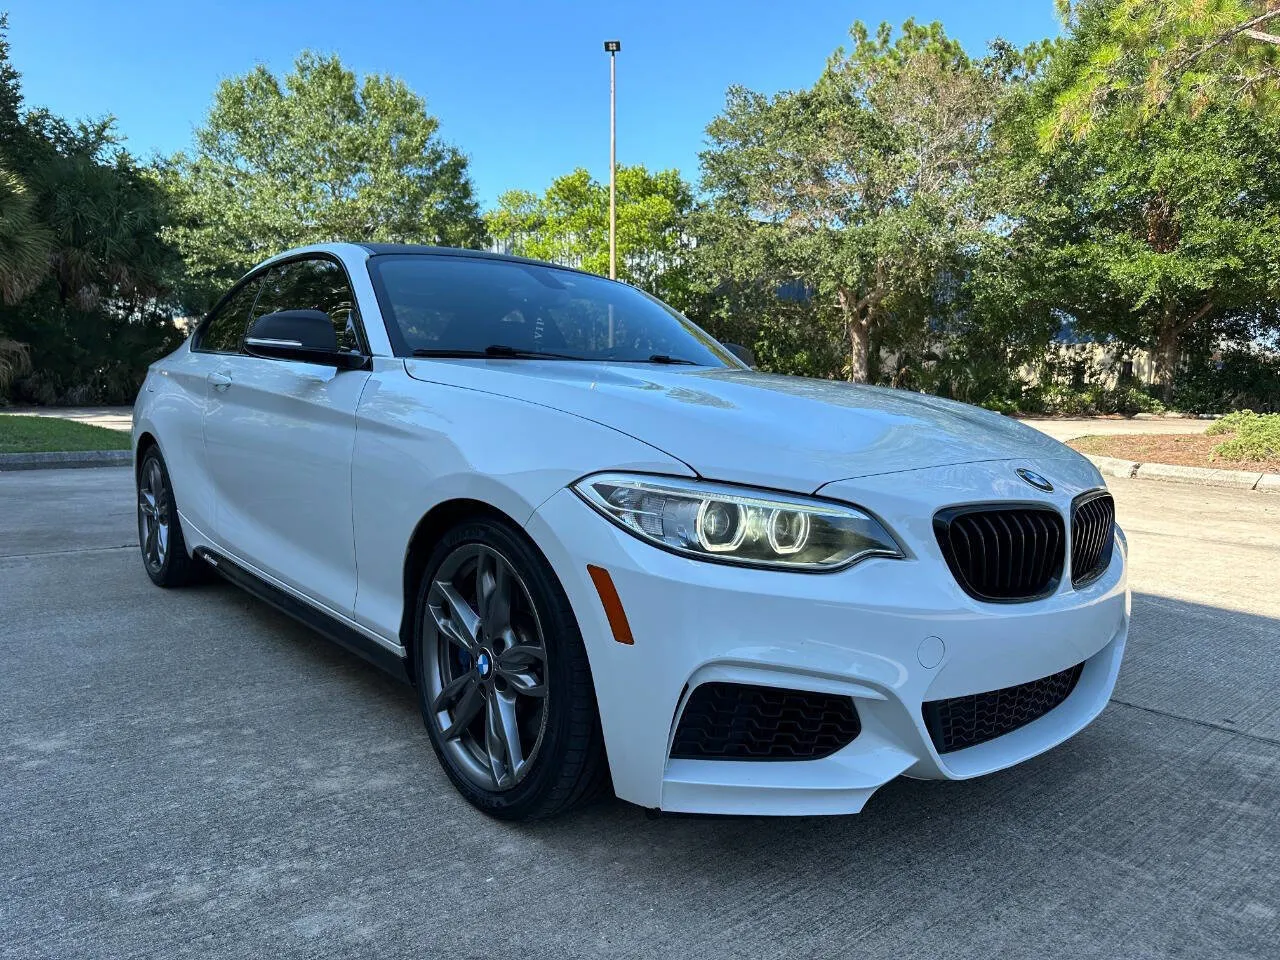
point(167, 575)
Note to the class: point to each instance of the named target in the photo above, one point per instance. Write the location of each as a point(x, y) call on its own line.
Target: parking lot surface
point(190, 774)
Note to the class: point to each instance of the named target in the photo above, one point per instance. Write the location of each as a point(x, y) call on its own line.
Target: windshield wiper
point(653, 358)
point(495, 350)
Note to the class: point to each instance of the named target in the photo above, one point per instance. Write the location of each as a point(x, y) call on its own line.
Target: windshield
point(446, 305)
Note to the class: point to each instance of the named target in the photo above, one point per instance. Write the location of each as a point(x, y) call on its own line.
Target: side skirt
point(306, 614)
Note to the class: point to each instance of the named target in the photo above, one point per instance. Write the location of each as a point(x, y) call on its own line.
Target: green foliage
point(1156, 228)
point(1059, 400)
point(1146, 57)
point(84, 273)
point(569, 224)
point(859, 188)
point(1240, 377)
point(1254, 436)
point(24, 240)
point(312, 157)
point(19, 434)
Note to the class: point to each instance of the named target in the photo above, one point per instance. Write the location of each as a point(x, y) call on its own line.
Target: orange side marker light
point(612, 605)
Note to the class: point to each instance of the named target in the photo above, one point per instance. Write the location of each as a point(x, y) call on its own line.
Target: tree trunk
point(1168, 350)
point(859, 348)
point(857, 322)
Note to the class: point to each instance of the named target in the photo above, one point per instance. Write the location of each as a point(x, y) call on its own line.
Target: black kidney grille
point(1093, 521)
point(736, 721)
point(967, 721)
point(1003, 554)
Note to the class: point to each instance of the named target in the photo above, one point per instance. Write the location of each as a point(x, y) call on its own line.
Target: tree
point(84, 274)
point(1148, 56)
point(1165, 224)
point(569, 224)
point(859, 188)
point(24, 240)
point(315, 156)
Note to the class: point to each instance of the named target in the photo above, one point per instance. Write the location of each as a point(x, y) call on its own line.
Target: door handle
point(220, 381)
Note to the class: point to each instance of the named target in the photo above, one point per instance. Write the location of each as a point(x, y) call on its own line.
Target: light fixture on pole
point(612, 47)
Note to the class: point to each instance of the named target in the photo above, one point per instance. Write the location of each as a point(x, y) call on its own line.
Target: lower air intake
point(736, 721)
point(968, 721)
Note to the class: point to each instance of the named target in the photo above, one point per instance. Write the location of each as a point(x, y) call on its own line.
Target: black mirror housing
point(306, 336)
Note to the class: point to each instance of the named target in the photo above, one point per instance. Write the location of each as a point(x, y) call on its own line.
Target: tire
point(491, 671)
point(165, 558)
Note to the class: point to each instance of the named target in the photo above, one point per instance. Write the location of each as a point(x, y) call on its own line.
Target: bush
point(1241, 378)
point(1058, 400)
point(1254, 436)
point(80, 357)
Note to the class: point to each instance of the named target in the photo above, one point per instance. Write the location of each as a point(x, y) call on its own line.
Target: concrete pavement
point(190, 774)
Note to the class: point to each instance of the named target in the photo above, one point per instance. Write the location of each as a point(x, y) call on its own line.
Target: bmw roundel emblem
point(1033, 478)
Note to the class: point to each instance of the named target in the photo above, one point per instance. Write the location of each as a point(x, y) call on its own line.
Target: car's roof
point(396, 249)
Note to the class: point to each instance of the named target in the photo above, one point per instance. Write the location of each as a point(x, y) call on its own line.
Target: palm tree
point(24, 240)
point(14, 361)
point(24, 262)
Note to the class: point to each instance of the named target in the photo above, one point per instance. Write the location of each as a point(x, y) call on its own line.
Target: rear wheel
point(503, 679)
point(164, 552)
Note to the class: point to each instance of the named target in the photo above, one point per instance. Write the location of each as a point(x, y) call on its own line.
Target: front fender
point(420, 445)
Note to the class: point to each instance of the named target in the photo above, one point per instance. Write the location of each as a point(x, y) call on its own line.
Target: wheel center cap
point(484, 663)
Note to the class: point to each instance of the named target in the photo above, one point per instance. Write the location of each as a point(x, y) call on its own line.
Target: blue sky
point(522, 88)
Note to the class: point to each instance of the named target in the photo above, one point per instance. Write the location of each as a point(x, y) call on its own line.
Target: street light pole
point(612, 47)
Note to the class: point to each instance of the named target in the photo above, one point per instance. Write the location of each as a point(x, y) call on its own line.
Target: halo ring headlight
point(741, 525)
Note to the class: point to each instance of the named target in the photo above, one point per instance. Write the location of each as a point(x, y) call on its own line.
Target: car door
point(278, 442)
point(218, 336)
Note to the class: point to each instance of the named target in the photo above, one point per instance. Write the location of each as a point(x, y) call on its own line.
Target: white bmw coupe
point(604, 549)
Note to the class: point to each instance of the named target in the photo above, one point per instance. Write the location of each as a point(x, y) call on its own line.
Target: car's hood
point(741, 426)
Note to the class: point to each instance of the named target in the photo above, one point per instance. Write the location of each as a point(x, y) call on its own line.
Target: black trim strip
point(307, 615)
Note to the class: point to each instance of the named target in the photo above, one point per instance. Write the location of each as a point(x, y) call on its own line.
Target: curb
point(1198, 476)
point(65, 461)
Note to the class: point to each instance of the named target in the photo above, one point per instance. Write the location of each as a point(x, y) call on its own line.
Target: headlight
point(738, 525)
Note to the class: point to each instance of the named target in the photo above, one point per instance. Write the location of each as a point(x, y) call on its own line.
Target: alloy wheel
point(153, 516)
point(486, 666)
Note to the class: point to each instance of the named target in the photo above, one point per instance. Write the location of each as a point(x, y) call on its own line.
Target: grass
point(19, 434)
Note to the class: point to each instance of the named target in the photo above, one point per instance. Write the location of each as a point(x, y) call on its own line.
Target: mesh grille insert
point(967, 721)
point(1003, 554)
point(735, 721)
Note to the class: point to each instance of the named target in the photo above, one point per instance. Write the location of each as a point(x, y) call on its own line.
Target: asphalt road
point(189, 774)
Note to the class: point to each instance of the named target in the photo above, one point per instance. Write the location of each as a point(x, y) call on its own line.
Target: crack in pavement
point(1260, 738)
point(66, 553)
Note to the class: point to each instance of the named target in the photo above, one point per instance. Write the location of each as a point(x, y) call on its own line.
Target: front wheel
point(503, 679)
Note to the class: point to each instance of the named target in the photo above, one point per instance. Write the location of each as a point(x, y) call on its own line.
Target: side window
point(225, 329)
point(312, 285)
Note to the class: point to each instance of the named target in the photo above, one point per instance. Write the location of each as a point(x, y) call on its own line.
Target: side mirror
point(745, 354)
point(306, 336)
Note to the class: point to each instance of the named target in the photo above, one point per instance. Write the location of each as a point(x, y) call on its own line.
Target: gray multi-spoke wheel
point(153, 516)
point(486, 666)
point(164, 554)
point(502, 673)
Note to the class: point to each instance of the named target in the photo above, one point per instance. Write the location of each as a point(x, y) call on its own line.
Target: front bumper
point(891, 634)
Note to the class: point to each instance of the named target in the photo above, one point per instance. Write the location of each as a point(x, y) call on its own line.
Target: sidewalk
point(1111, 426)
